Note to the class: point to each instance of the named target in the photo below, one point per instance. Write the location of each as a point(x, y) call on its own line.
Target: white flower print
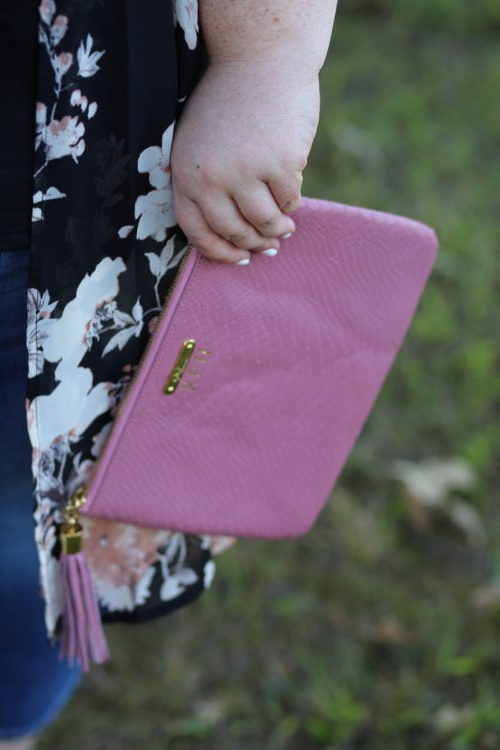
point(99, 440)
point(115, 598)
point(58, 29)
point(143, 587)
point(127, 595)
point(50, 194)
point(44, 462)
point(154, 210)
point(40, 122)
point(121, 558)
point(186, 14)
point(38, 327)
point(57, 420)
point(87, 60)
point(50, 578)
point(80, 472)
point(125, 231)
point(217, 543)
point(47, 9)
point(156, 160)
point(176, 574)
point(175, 583)
point(67, 343)
point(65, 412)
point(62, 63)
point(156, 214)
point(133, 326)
point(221, 542)
point(64, 138)
point(77, 99)
point(160, 264)
point(104, 314)
point(208, 573)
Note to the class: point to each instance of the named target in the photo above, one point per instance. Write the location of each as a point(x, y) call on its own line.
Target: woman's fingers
point(226, 228)
point(286, 191)
point(259, 207)
point(194, 225)
point(224, 218)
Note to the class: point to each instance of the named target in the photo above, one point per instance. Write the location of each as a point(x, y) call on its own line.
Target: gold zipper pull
point(71, 531)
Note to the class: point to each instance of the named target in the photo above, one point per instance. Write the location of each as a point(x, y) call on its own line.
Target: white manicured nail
point(286, 236)
point(243, 262)
point(271, 251)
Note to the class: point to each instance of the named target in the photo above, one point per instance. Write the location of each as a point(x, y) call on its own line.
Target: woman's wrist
point(268, 34)
point(279, 65)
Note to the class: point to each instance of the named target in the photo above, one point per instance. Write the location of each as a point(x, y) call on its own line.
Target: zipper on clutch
point(71, 530)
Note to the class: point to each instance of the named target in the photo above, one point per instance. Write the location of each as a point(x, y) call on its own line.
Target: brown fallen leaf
point(386, 631)
point(430, 485)
point(450, 718)
point(486, 596)
point(431, 481)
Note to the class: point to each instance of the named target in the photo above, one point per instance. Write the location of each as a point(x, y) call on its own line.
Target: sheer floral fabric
point(112, 81)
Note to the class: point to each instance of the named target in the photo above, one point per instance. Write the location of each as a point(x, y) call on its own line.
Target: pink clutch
point(258, 380)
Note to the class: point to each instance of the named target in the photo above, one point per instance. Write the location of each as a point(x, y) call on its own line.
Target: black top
point(18, 55)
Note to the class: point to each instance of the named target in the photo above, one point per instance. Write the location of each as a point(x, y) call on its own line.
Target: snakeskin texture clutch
point(258, 379)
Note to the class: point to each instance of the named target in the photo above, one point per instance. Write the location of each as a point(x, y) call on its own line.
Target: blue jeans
point(34, 684)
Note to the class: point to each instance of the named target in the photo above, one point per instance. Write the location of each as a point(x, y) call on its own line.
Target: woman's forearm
point(253, 30)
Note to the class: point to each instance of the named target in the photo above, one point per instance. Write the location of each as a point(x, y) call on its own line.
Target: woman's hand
point(238, 153)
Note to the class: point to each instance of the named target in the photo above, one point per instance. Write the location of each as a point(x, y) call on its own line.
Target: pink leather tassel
point(83, 636)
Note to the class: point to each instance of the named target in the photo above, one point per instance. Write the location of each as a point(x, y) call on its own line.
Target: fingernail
point(271, 251)
point(243, 262)
point(286, 236)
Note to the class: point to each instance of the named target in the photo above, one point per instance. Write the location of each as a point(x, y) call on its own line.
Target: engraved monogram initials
point(202, 356)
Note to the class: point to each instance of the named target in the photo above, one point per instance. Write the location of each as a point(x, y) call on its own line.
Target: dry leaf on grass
point(431, 484)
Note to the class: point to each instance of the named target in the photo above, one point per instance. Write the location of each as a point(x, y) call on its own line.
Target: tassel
point(83, 636)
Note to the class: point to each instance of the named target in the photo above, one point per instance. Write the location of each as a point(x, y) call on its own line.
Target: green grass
point(363, 634)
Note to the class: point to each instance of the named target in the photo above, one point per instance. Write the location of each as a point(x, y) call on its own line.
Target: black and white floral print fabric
point(112, 80)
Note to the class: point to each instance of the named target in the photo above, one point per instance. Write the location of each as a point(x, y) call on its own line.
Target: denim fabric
point(34, 684)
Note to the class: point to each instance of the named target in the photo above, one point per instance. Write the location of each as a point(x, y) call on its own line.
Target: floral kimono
point(113, 76)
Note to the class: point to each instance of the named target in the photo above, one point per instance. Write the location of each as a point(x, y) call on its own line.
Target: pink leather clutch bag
point(254, 387)
point(258, 379)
